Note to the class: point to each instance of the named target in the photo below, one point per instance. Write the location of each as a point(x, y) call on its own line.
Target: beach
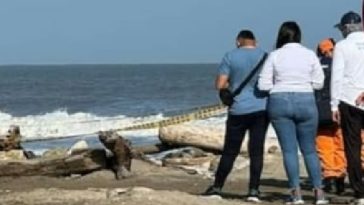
point(150, 184)
point(81, 103)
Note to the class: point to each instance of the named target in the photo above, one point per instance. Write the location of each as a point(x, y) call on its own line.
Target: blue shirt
point(237, 65)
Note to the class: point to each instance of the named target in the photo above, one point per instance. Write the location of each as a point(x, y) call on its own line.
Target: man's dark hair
point(289, 32)
point(246, 34)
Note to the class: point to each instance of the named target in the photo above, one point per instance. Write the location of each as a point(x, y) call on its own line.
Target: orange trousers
point(330, 149)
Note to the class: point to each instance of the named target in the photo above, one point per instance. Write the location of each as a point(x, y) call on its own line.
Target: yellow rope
point(200, 113)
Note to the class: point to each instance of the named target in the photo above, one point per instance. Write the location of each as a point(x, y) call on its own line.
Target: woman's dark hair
point(289, 32)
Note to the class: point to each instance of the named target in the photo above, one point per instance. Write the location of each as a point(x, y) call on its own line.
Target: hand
point(360, 99)
point(336, 116)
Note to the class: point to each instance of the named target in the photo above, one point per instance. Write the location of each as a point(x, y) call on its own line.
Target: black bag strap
point(253, 72)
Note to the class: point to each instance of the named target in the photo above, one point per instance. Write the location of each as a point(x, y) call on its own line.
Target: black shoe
point(340, 185)
point(328, 183)
point(212, 191)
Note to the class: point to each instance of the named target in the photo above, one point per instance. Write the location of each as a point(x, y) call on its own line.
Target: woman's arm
point(317, 74)
point(265, 81)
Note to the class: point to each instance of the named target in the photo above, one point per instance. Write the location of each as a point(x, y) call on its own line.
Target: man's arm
point(221, 82)
point(337, 76)
point(222, 78)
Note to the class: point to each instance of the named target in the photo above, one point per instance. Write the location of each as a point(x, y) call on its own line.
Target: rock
point(142, 190)
point(214, 164)
point(79, 146)
point(189, 156)
point(273, 149)
point(186, 161)
point(54, 153)
point(121, 150)
point(116, 192)
point(188, 152)
point(11, 140)
point(30, 155)
point(12, 155)
point(239, 163)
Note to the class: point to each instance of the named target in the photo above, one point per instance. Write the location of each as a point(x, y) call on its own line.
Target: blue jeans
point(294, 117)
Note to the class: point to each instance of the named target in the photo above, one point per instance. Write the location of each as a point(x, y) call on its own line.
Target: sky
point(153, 31)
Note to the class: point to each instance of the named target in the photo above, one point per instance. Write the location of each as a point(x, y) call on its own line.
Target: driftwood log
point(207, 138)
point(78, 163)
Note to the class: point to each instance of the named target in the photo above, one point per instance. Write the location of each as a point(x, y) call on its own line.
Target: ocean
point(52, 101)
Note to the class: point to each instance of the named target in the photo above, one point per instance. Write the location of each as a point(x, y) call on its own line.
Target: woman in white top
point(290, 74)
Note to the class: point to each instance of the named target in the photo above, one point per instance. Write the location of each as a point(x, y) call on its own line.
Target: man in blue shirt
point(248, 113)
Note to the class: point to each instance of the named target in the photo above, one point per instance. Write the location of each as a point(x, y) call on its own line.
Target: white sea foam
point(59, 124)
point(62, 124)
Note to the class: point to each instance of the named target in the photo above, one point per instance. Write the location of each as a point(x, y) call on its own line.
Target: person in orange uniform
point(329, 141)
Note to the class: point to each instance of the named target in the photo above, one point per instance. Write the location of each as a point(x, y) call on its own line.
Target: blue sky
point(152, 31)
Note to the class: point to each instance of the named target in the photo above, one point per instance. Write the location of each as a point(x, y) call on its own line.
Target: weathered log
point(206, 137)
point(209, 138)
point(80, 163)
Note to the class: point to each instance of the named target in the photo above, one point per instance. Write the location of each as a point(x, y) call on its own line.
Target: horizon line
point(69, 64)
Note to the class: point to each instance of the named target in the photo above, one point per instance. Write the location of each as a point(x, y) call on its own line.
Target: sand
point(149, 184)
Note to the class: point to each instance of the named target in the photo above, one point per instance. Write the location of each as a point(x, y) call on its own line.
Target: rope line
point(199, 113)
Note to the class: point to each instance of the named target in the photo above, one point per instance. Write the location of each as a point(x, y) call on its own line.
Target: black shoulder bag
point(227, 97)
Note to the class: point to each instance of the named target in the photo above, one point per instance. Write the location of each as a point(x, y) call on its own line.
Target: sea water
point(52, 101)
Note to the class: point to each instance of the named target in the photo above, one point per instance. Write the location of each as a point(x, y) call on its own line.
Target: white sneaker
point(322, 202)
point(295, 198)
point(359, 201)
point(320, 198)
point(253, 196)
point(295, 202)
point(254, 199)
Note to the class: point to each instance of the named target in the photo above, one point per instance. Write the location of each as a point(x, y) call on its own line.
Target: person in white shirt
point(347, 83)
point(290, 74)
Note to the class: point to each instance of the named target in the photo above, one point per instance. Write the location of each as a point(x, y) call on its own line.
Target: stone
point(79, 146)
point(12, 155)
point(121, 150)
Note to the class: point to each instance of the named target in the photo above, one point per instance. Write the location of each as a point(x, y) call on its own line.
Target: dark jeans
point(352, 121)
point(236, 126)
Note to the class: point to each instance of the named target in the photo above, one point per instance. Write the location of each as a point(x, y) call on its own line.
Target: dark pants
point(236, 126)
point(352, 121)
